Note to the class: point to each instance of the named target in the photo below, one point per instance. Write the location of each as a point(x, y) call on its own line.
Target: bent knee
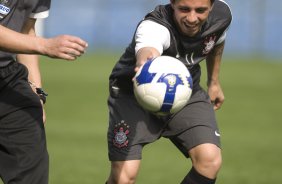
point(121, 179)
point(124, 172)
point(207, 160)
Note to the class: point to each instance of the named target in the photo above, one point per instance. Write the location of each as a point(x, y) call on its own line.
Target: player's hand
point(44, 113)
point(216, 94)
point(145, 54)
point(141, 62)
point(64, 47)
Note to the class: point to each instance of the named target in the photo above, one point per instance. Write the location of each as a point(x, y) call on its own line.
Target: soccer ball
point(163, 85)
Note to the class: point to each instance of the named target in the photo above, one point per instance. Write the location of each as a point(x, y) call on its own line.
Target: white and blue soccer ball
point(163, 85)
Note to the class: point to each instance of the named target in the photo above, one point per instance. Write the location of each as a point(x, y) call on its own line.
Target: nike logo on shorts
point(216, 133)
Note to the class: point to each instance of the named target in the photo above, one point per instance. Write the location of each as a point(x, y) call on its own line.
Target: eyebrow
point(189, 8)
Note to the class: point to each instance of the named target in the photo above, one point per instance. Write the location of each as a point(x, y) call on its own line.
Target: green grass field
point(250, 122)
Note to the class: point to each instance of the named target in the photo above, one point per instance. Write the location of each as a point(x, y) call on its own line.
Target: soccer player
point(191, 31)
point(23, 152)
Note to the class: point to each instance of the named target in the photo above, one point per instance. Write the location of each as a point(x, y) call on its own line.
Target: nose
point(192, 17)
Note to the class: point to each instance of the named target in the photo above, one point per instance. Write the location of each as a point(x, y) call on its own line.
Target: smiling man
point(191, 31)
point(190, 17)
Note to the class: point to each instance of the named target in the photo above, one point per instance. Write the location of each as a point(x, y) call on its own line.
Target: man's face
point(190, 15)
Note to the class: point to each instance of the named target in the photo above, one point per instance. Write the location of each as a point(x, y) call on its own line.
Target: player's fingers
point(70, 53)
point(217, 104)
point(139, 64)
point(78, 43)
point(76, 49)
point(72, 45)
point(67, 56)
point(44, 114)
point(136, 68)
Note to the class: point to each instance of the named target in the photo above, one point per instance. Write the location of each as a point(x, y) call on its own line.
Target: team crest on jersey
point(121, 131)
point(209, 44)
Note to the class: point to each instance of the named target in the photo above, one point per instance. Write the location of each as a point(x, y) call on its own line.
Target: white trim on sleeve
point(152, 34)
point(44, 14)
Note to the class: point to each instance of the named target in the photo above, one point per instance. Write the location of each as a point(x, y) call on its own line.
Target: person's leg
point(24, 156)
point(206, 161)
point(124, 172)
point(202, 145)
point(195, 133)
point(23, 152)
point(130, 128)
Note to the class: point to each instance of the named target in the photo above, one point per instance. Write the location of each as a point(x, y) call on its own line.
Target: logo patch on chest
point(209, 44)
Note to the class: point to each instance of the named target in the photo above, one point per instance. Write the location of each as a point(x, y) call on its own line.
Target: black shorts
point(23, 153)
point(131, 127)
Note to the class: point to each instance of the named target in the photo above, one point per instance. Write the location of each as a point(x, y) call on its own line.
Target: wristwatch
point(42, 94)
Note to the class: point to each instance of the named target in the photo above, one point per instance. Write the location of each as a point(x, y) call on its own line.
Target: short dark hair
point(212, 1)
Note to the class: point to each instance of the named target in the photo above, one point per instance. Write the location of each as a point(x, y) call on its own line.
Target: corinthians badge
point(120, 135)
point(209, 44)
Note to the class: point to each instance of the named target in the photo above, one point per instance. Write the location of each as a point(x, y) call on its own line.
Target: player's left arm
point(31, 61)
point(213, 62)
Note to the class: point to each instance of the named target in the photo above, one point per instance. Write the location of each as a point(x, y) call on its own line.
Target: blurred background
point(256, 26)
point(250, 119)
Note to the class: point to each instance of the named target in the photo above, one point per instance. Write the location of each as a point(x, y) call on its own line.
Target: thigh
point(24, 157)
point(195, 124)
point(130, 127)
point(194, 137)
point(23, 153)
point(198, 112)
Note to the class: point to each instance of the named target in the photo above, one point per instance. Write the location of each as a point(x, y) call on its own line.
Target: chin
point(190, 33)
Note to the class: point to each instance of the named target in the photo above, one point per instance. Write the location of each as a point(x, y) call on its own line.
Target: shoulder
point(221, 11)
point(152, 26)
point(152, 34)
point(159, 12)
point(219, 19)
point(40, 8)
point(162, 14)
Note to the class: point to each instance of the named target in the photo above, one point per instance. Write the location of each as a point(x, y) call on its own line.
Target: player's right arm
point(63, 46)
point(151, 40)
